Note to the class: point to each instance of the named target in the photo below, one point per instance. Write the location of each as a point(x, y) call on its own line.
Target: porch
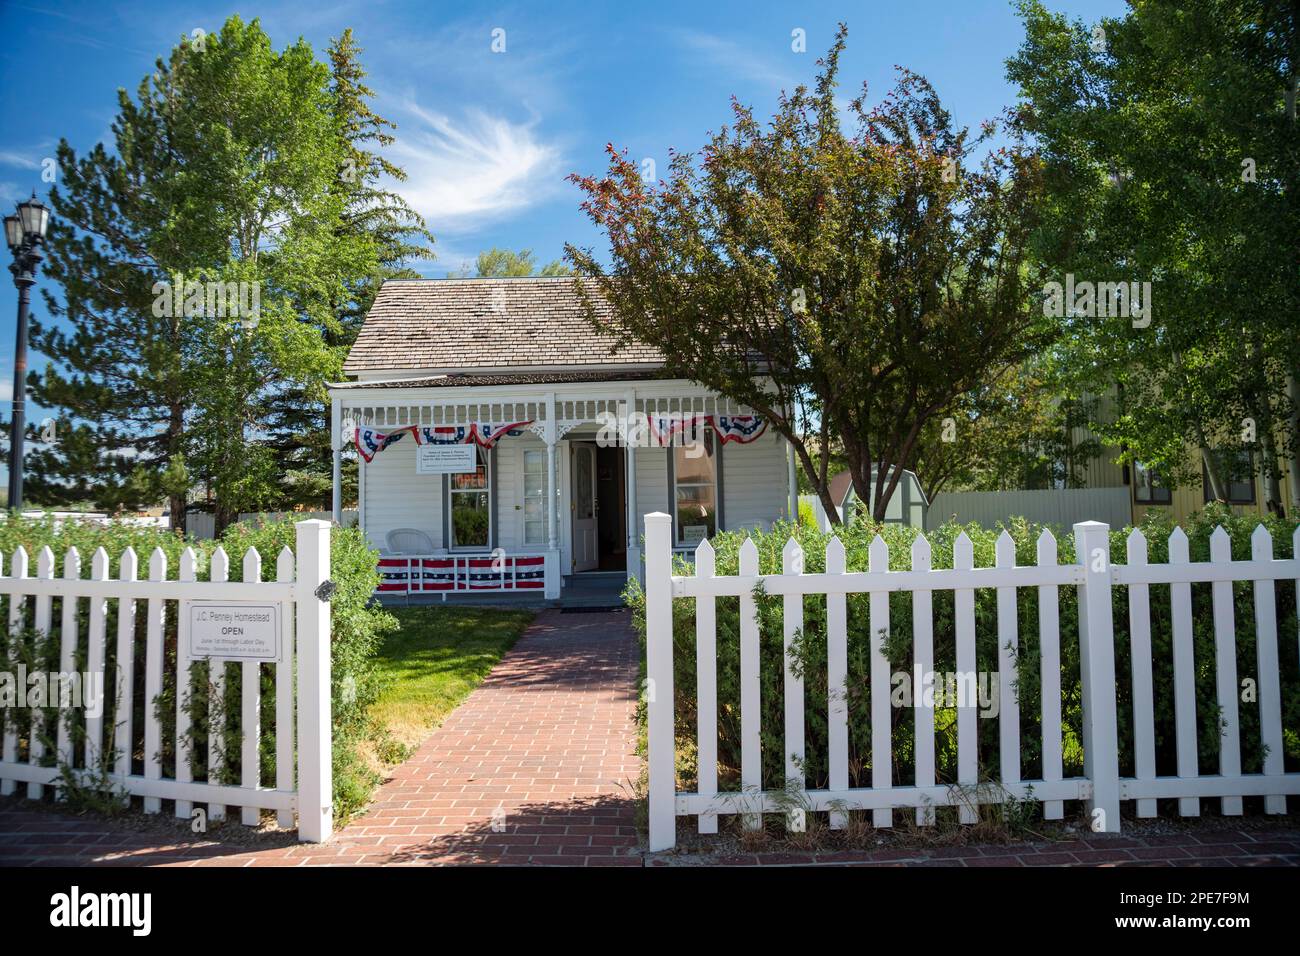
point(528, 489)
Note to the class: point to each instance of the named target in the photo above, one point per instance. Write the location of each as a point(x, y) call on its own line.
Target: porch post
point(336, 445)
point(551, 434)
point(629, 433)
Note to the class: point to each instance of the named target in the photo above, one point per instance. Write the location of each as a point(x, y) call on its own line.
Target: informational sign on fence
point(445, 459)
point(234, 631)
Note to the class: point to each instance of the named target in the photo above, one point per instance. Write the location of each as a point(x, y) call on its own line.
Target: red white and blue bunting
point(741, 429)
point(371, 441)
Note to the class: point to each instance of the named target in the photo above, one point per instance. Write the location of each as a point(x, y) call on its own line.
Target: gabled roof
point(485, 325)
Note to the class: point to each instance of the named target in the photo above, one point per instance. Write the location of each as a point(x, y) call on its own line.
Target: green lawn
point(432, 663)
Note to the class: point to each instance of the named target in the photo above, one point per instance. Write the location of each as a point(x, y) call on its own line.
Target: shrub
point(356, 630)
point(810, 654)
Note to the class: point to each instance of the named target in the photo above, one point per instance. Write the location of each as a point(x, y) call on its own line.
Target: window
point(695, 480)
point(1148, 489)
point(470, 503)
point(1237, 472)
point(535, 497)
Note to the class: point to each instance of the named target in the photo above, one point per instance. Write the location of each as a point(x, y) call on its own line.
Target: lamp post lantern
point(25, 234)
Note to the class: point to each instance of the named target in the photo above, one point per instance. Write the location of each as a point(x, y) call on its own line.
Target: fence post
point(659, 684)
point(315, 728)
point(1097, 671)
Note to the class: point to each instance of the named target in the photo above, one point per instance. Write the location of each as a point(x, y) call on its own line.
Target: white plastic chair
point(409, 541)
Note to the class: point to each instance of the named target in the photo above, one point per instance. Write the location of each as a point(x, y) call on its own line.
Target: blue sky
point(487, 138)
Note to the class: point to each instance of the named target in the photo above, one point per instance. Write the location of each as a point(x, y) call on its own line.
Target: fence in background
point(1062, 507)
point(1100, 786)
point(202, 525)
point(301, 615)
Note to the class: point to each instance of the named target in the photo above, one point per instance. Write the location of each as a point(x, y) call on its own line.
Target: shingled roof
point(485, 324)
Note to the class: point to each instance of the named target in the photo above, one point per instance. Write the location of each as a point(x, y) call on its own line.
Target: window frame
point(1160, 493)
point(525, 497)
point(1221, 454)
point(714, 453)
point(485, 459)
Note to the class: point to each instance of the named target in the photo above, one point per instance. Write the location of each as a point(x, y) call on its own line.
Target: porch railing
point(468, 573)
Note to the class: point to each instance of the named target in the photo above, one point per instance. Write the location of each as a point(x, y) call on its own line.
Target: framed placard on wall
point(445, 459)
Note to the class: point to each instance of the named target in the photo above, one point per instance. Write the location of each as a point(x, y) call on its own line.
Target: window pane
point(695, 475)
point(535, 532)
point(469, 519)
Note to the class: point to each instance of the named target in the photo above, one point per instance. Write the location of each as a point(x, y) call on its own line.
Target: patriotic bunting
point(739, 428)
point(371, 441)
point(742, 429)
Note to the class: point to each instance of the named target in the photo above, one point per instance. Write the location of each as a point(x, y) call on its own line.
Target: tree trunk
point(1212, 471)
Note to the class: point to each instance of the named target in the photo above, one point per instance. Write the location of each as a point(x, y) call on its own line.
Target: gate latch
point(326, 590)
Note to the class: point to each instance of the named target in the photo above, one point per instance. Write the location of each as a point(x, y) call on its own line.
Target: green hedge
point(357, 629)
point(811, 654)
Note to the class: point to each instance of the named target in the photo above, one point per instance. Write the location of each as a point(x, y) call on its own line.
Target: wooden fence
point(1100, 787)
point(109, 750)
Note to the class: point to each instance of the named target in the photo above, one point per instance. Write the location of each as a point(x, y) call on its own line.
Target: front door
point(586, 553)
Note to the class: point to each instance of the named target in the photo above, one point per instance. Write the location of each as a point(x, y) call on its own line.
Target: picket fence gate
point(1101, 787)
point(304, 617)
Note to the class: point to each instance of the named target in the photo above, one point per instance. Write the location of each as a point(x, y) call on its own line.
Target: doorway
point(611, 509)
point(598, 505)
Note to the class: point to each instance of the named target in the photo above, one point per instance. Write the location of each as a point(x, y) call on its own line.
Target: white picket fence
point(302, 615)
point(1101, 787)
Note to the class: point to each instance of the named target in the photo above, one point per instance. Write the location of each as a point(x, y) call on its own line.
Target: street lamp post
point(25, 233)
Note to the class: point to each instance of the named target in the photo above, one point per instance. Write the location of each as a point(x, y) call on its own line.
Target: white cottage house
point(506, 447)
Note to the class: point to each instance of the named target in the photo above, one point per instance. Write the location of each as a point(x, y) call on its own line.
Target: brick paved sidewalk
point(546, 743)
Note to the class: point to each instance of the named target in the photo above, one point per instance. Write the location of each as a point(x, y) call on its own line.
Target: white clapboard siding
point(108, 751)
point(750, 496)
point(1101, 788)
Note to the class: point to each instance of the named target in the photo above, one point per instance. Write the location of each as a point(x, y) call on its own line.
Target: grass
point(432, 663)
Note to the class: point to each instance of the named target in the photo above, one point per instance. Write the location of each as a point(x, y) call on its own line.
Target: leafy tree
point(848, 288)
point(1172, 155)
point(226, 170)
point(299, 422)
point(504, 264)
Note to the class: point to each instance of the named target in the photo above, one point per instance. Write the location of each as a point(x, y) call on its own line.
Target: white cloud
point(721, 56)
point(10, 158)
point(465, 172)
point(7, 387)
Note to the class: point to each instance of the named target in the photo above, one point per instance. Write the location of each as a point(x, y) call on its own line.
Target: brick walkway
point(536, 766)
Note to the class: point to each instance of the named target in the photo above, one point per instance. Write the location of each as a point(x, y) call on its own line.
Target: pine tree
point(300, 424)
